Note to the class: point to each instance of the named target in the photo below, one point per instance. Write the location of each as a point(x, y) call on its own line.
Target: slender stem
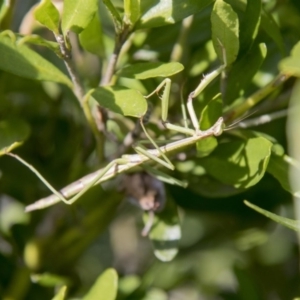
point(255, 98)
point(119, 41)
point(79, 93)
point(67, 57)
point(98, 134)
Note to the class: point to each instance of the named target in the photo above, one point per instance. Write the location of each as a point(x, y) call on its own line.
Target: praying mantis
point(74, 191)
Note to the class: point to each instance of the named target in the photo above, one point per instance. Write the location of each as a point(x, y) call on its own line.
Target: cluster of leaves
point(129, 47)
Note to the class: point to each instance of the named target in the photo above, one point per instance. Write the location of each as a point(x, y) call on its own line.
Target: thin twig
point(79, 93)
point(255, 98)
point(67, 57)
point(111, 67)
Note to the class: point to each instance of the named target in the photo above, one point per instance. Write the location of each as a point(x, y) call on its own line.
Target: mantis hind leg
point(165, 161)
point(70, 201)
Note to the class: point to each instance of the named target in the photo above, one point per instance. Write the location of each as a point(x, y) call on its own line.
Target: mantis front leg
point(166, 84)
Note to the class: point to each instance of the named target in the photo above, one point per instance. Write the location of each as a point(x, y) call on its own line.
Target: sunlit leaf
point(13, 132)
point(121, 100)
point(12, 213)
point(47, 14)
point(61, 294)
point(151, 70)
point(272, 29)
point(291, 64)
point(22, 61)
point(279, 168)
point(4, 7)
point(105, 287)
point(160, 13)
point(115, 15)
point(202, 59)
point(250, 24)
point(225, 31)
point(132, 11)
point(91, 38)
point(49, 280)
point(243, 162)
point(38, 40)
point(248, 65)
point(165, 233)
point(77, 14)
point(289, 223)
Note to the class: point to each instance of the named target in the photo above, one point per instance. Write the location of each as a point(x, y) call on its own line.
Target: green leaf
point(61, 294)
point(243, 162)
point(267, 23)
point(160, 13)
point(211, 112)
point(49, 280)
point(77, 14)
point(272, 29)
point(165, 233)
point(166, 178)
point(13, 132)
point(105, 287)
point(225, 31)
point(4, 7)
point(12, 213)
point(202, 59)
point(279, 168)
point(248, 65)
point(22, 61)
point(291, 64)
point(289, 223)
point(209, 115)
point(38, 40)
point(121, 100)
point(250, 24)
point(209, 187)
point(132, 11)
point(150, 70)
point(115, 16)
point(91, 38)
point(47, 14)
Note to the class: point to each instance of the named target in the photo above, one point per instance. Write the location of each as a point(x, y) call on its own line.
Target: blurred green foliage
point(94, 249)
